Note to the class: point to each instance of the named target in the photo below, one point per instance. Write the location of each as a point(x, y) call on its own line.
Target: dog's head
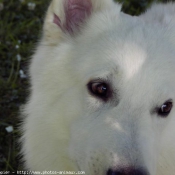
point(109, 81)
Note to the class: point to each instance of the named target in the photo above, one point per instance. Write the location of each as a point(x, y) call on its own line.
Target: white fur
point(66, 128)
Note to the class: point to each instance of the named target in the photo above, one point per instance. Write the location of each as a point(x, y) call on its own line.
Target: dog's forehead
point(128, 53)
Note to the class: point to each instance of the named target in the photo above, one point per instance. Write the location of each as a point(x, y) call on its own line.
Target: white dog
point(102, 91)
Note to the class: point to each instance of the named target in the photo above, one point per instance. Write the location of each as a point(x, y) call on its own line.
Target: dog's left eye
point(165, 109)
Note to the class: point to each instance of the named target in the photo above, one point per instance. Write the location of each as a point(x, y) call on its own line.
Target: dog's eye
point(165, 109)
point(100, 90)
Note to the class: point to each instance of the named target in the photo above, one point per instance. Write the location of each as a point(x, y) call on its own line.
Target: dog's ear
point(67, 17)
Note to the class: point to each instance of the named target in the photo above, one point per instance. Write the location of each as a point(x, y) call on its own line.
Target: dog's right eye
point(99, 89)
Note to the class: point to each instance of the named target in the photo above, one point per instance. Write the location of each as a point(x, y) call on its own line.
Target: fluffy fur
point(67, 128)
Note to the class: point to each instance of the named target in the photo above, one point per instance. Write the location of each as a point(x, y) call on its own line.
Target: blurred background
point(20, 29)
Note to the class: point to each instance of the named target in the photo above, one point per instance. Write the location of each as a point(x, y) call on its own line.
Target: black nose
point(127, 171)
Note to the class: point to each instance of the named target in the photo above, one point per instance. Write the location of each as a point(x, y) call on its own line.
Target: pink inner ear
point(57, 21)
point(76, 12)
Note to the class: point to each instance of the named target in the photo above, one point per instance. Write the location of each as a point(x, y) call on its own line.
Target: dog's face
point(115, 80)
point(126, 92)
